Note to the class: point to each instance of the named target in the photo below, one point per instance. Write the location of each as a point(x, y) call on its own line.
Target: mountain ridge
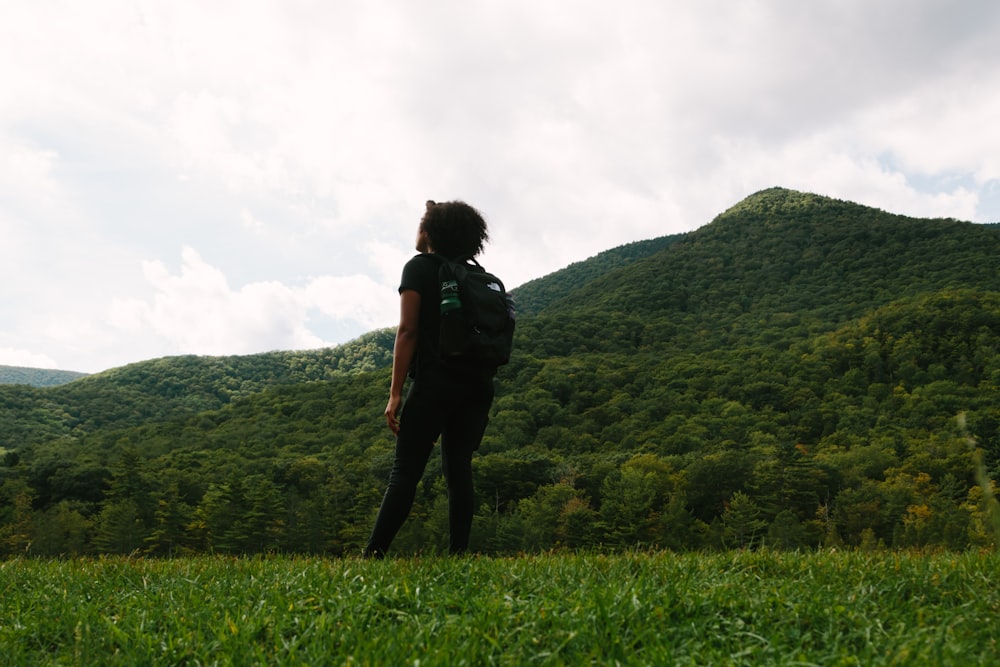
point(829, 370)
point(37, 377)
point(539, 294)
point(733, 249)
point(657, 287)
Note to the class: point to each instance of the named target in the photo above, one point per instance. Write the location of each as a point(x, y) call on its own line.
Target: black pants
point(457, 411)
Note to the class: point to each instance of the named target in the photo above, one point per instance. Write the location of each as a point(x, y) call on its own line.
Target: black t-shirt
point(421, 274)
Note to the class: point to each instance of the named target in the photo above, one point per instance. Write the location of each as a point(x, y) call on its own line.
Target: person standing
point(444, 401)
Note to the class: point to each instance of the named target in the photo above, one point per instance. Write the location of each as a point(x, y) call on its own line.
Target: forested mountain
point(151, 391)
point(36, 377)
point(799, 372)
point(535, 296)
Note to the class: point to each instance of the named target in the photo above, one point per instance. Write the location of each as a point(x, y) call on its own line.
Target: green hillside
point(151, 391)
point(799, 372)
point(537, 295)
point(36, 377)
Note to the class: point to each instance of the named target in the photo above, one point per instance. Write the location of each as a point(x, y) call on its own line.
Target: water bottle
point(452, 334)
point(449, 297)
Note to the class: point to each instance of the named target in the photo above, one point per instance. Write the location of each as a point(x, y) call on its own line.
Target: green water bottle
point(449, 297)
point(451, 338)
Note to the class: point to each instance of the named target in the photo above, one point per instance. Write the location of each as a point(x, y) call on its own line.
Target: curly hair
point(454, 229)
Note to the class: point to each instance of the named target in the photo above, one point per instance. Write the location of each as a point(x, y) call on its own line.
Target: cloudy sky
point(222, 177)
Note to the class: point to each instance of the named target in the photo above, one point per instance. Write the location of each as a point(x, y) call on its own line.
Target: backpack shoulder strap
point(473, 261)
point(457, 267)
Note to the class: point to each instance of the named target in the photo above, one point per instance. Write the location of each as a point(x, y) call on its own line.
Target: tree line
point(800, 373)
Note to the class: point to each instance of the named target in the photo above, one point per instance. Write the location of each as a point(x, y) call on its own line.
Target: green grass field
point(747, 608)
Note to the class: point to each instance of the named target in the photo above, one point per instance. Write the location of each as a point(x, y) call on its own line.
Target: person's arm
point(407, 335)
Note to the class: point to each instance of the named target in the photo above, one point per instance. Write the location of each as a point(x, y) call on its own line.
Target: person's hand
point(392, 413)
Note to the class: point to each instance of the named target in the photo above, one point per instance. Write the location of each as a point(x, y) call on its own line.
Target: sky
point(223, 177)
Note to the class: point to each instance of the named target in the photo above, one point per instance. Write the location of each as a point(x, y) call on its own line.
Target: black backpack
point(477, 315)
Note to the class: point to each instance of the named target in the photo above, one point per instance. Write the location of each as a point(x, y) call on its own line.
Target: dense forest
point(36, 377)
point(800, 372)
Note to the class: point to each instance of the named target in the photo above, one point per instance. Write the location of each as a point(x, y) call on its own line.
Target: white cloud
point(832, 165)
point(26, 172)
point(388, 259)
point(357, 298)
point(12, 357)
point(941, 129)
point(197, 312)
point(294, 144)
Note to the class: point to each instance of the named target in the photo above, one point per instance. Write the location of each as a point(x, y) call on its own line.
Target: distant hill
point(822, 260)
point(799, 371)
point(536, 295)
point(158, 389)
point(37, 377)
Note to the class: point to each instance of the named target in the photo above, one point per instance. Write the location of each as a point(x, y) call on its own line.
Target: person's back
point(443, 401)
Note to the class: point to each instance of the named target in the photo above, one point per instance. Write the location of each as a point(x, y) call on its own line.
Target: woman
point(444, 401)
